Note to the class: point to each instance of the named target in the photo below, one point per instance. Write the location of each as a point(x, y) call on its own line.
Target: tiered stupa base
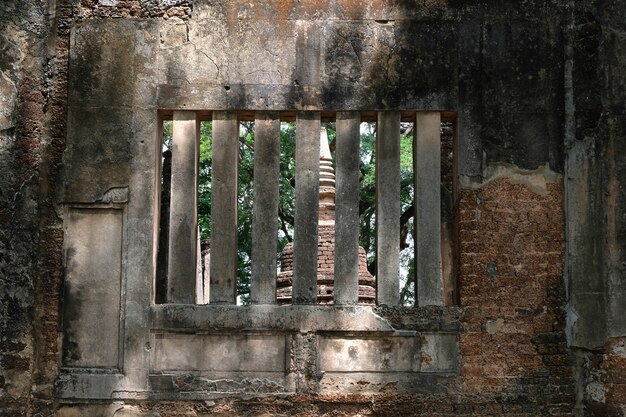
point(325, 272)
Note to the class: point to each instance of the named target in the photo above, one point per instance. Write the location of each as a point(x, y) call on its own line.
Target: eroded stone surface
point(219, 353)
point(93, 284)
point(391, 354)
point(8, 94)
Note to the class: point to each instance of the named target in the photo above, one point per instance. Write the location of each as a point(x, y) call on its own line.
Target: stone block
point(586, 324)
point(203, 58)
point(278, 11)
point(385, 383)
point(8, 96)
point(108, 67)
point(93, 285)
point(218, 352)
point(439, 353)
point(98, 153)
point(380, 353)
point(613, 71)
point(262, 54)
point(269, 317)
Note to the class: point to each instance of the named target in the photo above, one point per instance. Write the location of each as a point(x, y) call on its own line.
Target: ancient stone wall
point(24, 97)
point(530, 96)
point(596, 170)
point(513, 352)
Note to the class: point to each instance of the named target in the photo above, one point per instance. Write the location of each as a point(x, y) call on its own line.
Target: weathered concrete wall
point(500, 66)
point(514, 359)
point(596, 204)
point(34, 48)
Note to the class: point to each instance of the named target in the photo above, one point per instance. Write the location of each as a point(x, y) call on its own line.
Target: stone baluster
point(183, 209)
point(223, 273)
point(346, 289)
point(307, 207)
point(265, 216)
point(388, 208)
point(427, 160)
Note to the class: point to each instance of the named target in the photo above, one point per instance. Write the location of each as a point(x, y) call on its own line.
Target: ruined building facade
point(523, 315)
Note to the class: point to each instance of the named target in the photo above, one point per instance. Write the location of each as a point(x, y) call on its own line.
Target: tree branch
point(404, 223)
point(285, 219)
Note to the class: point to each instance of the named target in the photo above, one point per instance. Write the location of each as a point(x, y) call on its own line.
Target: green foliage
point(244, 210)
point(367, 195)
point(407, 294)
point(204, 180)
point(167, 135)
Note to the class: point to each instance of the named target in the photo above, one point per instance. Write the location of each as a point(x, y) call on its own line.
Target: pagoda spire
point(327, 182)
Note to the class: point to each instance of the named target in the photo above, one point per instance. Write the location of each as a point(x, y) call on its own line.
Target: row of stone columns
point(183, 232)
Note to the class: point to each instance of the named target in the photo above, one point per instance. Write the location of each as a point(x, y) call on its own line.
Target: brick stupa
point(325, 244)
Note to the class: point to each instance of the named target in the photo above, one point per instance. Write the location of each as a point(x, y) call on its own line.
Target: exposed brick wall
point(511, 286)
point(50, 270)
point(23, 97)
point(613, 371)
point(603, 379)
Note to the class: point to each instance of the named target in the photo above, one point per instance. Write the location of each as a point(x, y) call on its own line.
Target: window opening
point(245, 205)
point(286, 211)
point(367, 212)
point(204, 211)
point(447, 212)
point(367, 193)
point(160, 289)
point(407, 196)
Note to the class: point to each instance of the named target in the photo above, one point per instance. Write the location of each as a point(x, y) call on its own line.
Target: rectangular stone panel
point(98, 152)
point(368, 383)
point(93, 274)
point(218, 352)
point(112, 63)
point(384, 353)
point(439, 352)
